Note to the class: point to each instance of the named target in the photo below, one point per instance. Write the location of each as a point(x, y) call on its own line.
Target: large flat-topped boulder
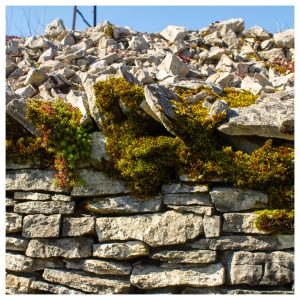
point(159, 229)
point(272, 116)
point(32, 180)
point(98, 184)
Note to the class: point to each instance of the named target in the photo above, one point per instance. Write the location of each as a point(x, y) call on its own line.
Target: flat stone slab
point(98, 184)
point(53, 288)
point(78, 226)
point(123, 204)
point(31, 196)
point(244, 242)
point(178, 188)
point(79, 247)
point(271, 117)
point(191, 256)
point(13, 222)
point(87, 283)
point(17, 284)
point(41, 226)
point(121, 250)
point(188, 199)
point(101, 267)
point(159, 229)
point(197, 209)
point(227, 199)
point(150, 277)
point(16, 243)
point(32, 180)
point(45, 207)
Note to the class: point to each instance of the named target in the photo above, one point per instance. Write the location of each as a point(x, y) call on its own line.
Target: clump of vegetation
point(276, 221)
point(108, 31)
point(238, 97)
point(282, 66)
point(62, 136)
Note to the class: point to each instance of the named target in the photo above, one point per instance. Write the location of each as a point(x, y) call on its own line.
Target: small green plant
point(238, 98)
point(108, 31)
point(62, 135)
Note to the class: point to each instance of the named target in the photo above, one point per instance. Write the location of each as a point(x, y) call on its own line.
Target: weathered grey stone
point(36, 42)
point(240, 222)
point(78, 226)
point(174, 33)
point(13, 223)
point(26, 92)
point(68, 40)
point(227, 199)
point(191, 256)
point(236, 25)
point(31, 180)
point(53, 289)
point(201, 210)
point(237, 291)
point(149, 277)
point(55, 28)
point(45, 207)
point(159, 229)
point(66, 247)
point(79, 100)
point(31, 196)
point(178, 188)
point(58, 197)
point(101, 267)
point(223, 79)
point(21, 263)
point(98, 151)
point(87, 283)
point(98, 184)
point(121, 251)
point(284, 259)
point(47, 55)
point(219, 106)
point(285, 39)
point(159, 105)
point(17, 110)
point(212, 226)
point(10, 202)
point(35, 77)
point(16, 243)
point(257, 32)
point(188, 199)
point(249, 243)
point(123, 204)
point(249, 84)
point(17, 284)
point(173, 65)
point(75, 55)
point(272, 116)
point(41, 226)
point(138, 43)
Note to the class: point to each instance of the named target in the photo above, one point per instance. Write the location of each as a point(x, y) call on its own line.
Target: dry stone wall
point(99, 239)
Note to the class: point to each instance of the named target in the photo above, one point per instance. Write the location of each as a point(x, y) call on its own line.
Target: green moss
point(238, 98)
point(253, 56)
point(63, 136)
point(276, 221)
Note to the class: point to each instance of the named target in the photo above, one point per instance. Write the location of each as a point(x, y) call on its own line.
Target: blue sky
point(30, 20)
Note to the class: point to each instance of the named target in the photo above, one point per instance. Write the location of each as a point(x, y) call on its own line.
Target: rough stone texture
point(16, 243)
point(123, 205)
point(78, 226)
point(285, 39)
point(98, 152)
point(58, 197)
point(188, 199)
point(154, 229)
point(219, 106)
point(17, 110)
point(17, 284)
point(173, 65)
point(174, 33)
point(45, 207)
point(53, 289)
point(98, 184)
point(31, 196)
point(243, 242)
point(66, 247)
point(178, 188)
point(212, 226)
point(101, 267)
point(249, 84)
point(13, 223)
point(138, 44)
point(201, 210)
point(272, 117)
point(238, 291)
point(240, 222)
point(87, 283)
point(121, 251)
point(227, 199)
point(31, 180)
point(191, 256)
point(41, 226)
point(35, 77)
point(55, 28)
point(149, 277)
point(159, 106)
point(21, 263)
